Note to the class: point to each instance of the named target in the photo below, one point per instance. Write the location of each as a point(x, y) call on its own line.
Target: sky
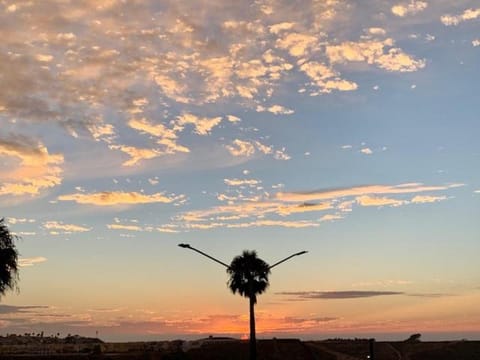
point(348, 129)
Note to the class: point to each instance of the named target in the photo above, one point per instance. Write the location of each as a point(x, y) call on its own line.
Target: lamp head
point(184, 245)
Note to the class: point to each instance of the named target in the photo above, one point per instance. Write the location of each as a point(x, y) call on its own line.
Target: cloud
point(420, 199)
point(325, 78)
point(366, 200)
point(12, 220)
point(202, 125)
point(249, 210)
point(380, 53)
point(280, 223)
point(406, 188)
point(278, 28)
point(332, 295)
point(241, 182)
point(11, 309)
point(383, 283)
point(276, 109)
point(331, 217)
point(66, 228)
point(296, 44)
point(376, 31)
point(241, 148)
point(27, 262)
point(166, 137)
point(429, 295)
point(281, 155)
point(30, 167)
point(454, 20)
point(366, 151)
point(124, 227)
point(233, 119)
point(136, 154)
point(476, 42)
point(411, 8)
point(112, 198)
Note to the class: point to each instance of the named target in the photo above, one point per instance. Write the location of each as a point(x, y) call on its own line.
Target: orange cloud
point(380, 53)
point(111, 198)
point(30, 167)
point(136, 154)
point(411, 8)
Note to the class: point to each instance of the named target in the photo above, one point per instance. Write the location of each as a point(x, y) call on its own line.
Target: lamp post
point(187, 246)
point(248, 274)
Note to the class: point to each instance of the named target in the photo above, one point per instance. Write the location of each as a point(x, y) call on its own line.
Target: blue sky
point(343, 129)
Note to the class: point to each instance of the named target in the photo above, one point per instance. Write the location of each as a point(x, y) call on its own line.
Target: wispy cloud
point(11, 309)
point(55, 226)
point(241, 182)
point(427, 199)
point(111, 198)
point(27, 262)
point(406, 188)
point(275, 210)
point(331, 295)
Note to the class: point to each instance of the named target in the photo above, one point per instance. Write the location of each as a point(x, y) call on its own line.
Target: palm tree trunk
point(253, 340)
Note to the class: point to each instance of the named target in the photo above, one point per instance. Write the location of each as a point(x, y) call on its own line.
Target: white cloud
point(476, 42)
point(427, 199)
point(281, 155)
point(276, 109)
point(66, 228)
point(233, 119)
point(240, 182)
point(376, 31)
point(366, 151)
point(124, 227)
point(27, 262)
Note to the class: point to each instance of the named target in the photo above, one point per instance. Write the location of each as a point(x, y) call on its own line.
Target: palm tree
point(8, 259)
point(249, 277)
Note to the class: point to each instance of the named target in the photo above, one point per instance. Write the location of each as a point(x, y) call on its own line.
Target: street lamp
point(249, 279)
point(187, 246)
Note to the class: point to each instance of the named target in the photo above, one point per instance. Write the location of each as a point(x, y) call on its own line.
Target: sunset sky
point(345, 128)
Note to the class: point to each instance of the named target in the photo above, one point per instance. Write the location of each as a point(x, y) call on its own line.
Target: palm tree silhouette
point(8, 259)
point(249, 277)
